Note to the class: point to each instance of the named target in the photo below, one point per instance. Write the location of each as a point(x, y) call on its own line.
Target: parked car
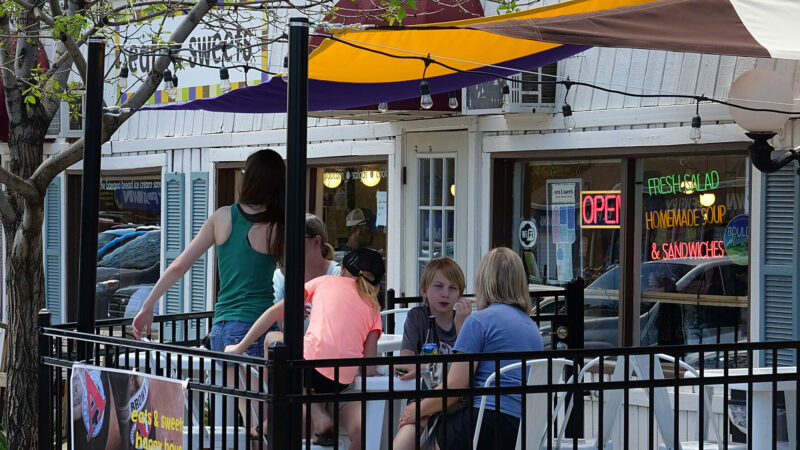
point(684, 301)
point(133, 264)
point(118, 237)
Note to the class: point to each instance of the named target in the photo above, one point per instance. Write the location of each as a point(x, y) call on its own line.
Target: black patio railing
point(649, 395)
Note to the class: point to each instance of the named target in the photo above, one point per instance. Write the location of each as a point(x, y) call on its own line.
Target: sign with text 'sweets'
point(115, 409)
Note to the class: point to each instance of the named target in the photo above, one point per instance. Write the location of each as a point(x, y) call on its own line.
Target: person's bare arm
point(257, 329)
point(371, 350)
point(196, 248)
point(457, 378)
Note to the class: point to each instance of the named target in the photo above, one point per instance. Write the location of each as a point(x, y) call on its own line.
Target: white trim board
point(127, 162)
point(643, 137)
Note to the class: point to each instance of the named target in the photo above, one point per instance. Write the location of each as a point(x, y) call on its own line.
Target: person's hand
point(307, 309)
point(409, 415)
point(405, 371)
point(235, 348)
point(463, 308)
point(142, 323)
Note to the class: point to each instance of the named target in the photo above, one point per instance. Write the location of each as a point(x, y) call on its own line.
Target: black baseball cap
point(367, 260)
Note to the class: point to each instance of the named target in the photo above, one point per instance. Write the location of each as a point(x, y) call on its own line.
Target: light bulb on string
point(224, 80)
point(172, 90)
point(452, 99)
point(425, 99)
point(569, 120)
point(383, 107)
point(695, 133)
point(285, 73)
point(167, 81)
point(506, 96)
point(122, 81)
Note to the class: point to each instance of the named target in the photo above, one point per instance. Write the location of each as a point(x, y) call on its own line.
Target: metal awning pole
point(296, 141)
point(90, 195)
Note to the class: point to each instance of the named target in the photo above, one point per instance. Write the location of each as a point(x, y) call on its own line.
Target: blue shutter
point(52, 250)
point(779, 259)
point(173, 244)
point(197, 276)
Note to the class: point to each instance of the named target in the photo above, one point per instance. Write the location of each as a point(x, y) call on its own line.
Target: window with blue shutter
point(779, 259)
point(173, 245)
point(52, 250)
point(197, 275)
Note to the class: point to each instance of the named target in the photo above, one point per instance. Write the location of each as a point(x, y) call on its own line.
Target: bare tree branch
point(10, 86)
point(54, 165)
point(14, 182)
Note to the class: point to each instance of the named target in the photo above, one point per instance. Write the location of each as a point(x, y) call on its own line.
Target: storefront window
point(568, 227)
point(128, 243)
point(695, 227)
point(353, 206)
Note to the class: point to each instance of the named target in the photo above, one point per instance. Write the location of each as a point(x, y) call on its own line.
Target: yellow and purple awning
point(342, 74)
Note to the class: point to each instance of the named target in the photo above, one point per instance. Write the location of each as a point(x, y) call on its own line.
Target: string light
point(452, 99)
point(383, 107)
point(695, 133)
point(224, 80)
point(122, 81)
point(506, 96)
point(285, 73)
point(172, 91)
point(566, 110)
point(425, 99)
point(168, 81)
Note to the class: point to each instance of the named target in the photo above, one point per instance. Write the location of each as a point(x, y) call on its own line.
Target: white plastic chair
point(664, 412)
point(613, 405)
point(536, 417)
point(395, 312)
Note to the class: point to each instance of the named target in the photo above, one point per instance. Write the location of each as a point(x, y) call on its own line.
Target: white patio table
point(377, 429)
point(761, 434)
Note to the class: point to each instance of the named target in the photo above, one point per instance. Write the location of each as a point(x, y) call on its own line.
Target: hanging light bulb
point(383, 107)
point(224, 80)
point(452, 99)
point(122, 81)
point(167, 79)
point(172, 89)
point(425, 99)
point(285, 73)
point(569, 121)
point(695, 134)
point(506, 96)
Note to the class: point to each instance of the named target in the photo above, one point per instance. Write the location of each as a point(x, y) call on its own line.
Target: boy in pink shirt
point(344, 322)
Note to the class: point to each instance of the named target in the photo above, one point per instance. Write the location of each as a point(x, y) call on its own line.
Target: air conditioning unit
point(526, 96)
point(63, 125)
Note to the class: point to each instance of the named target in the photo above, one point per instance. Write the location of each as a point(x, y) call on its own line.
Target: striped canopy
point(344, 73)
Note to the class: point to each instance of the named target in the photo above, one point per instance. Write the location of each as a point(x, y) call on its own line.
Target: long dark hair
point(264, 184)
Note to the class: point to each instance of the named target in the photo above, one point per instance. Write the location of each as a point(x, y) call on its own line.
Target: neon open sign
point(600, 209)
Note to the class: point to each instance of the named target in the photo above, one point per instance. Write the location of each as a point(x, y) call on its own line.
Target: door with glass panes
point(435, 210)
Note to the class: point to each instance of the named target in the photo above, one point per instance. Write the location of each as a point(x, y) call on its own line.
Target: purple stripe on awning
point(270, 97)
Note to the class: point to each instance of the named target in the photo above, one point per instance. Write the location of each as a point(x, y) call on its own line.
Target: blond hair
point(501, 279)
point(448, 268)
point(315, 227)
point(366, 289)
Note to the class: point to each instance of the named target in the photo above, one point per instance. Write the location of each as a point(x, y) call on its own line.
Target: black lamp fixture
point(763, 89)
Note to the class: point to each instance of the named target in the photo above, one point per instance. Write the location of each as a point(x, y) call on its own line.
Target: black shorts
point(321, 384)
point(456, 430)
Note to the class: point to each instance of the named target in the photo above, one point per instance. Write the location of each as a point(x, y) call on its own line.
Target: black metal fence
point(634, 397)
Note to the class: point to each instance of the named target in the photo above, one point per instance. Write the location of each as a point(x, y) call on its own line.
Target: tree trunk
point(25, 288)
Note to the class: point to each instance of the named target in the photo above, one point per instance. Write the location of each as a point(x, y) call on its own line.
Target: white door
point(435, 201)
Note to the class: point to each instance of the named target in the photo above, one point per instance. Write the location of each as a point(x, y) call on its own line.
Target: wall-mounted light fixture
point(763, 89)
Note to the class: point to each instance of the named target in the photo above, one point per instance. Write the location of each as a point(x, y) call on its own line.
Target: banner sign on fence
point(114, 409)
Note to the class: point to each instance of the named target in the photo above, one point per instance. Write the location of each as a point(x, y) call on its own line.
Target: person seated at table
point(442, 286)
point(318, 262)
point(344, 322)
point(501, 324)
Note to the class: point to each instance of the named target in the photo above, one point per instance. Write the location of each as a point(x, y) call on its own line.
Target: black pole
point(45, 419)
point(278, 423)
point(90, 196)
point(296, 140)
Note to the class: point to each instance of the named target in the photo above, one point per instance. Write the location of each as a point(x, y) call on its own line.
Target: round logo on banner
point(736, 239)
point(527, 234)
